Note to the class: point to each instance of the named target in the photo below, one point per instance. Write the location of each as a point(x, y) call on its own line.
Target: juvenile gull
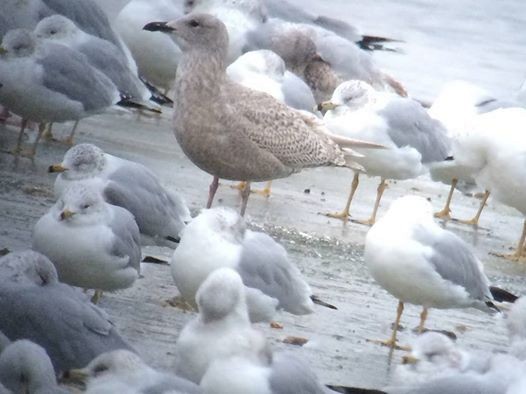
point(159, 213)
point(272, 281)
point(415, 140)
point(222, 328)
point(26, 367)
point(121, 371)
point(102, 249)
point(233, 132)
point(36, 306)
point(418, 262)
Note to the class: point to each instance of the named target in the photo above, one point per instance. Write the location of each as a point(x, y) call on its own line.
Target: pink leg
point(212, 191)
point(245, 194)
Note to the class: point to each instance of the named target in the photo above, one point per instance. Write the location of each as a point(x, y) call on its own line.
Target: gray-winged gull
point(102, 249)
point(420, 263)
point(222, 328)
point(121, 371)
point(272, 281)
point(159, 213)
point(413, 138)
point(36, 306)
point(233, 132)
point(25, 367)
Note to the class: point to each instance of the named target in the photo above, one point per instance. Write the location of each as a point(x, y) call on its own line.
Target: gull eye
point(193, 23)
point(99, 369)
point(86, 206)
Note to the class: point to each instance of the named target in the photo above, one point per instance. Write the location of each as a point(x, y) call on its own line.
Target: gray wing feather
point(297, 93)
point(68, 72)
point(454, 261)
point(173, 384)
point(290, 375)
point(127, 237)
point(410, 125)
point(107, 58)
point(60, 319)
point(264, 265)
point(87, 15)
point(138, 190)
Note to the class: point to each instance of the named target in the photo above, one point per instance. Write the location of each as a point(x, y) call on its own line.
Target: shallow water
point(481, 41)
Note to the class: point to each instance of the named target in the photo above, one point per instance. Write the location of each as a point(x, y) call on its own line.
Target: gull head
point(110, 363)
point(225, 222)
point(55, 27)
point(349, 95)
point(195, 32)
point(220, 295)
point(26, 368)
point(18, 43)
point(80, 205)
point(81, 162)
point(28, 266)
point(432, 350)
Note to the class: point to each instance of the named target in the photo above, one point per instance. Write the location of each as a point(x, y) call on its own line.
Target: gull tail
point(501, 295)
point(157, 96)
point(397, 87)
point(128, 102)
point(317, 301)
point(349, 143)
point(377, 43)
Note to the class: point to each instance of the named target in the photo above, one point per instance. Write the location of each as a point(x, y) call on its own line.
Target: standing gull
point(233, 132)
point(418, 262)
point(159, 213)
point(414, 139)
point(271, 280)
point(103, 241)
point(36, 306)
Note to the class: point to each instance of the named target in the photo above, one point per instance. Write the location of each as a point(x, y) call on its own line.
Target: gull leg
point(391, 342)
point(18, 148)
point(212, 191)
point(41, 128)
point(239, 186)
point(48, 133)
point(380, 191)
point(423, 318)
point(475, 220)
point(265, 192)
point(520, 248)
point(344, 215)
point(69, 140)
point(245, 194)
point(445, 213)
point(96, 296)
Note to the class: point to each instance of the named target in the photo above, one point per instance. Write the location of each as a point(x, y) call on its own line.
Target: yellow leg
point(445, 213)
point(380, 191)
point(475, 220)
point(520, 248)
point(391, 342)
point(265, 192)
point(240, 186)
point(423, 317)
point(69, 140)
point(344, 215)
point(48, 132)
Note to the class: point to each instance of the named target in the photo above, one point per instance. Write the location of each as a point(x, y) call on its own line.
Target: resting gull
point(36, 306)
point(159, 213)
point(233, 132)
point(102, 241)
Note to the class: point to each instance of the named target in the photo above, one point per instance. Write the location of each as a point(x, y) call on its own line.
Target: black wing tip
point(354, 390)
point(317, 301)
point(501, 295)
point(130, 103)
point(173, 239)
point(154, 260)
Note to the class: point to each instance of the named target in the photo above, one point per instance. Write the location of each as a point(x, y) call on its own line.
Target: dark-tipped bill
point(158, 26)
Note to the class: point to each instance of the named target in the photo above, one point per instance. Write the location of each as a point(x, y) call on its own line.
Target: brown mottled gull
point(233, 132)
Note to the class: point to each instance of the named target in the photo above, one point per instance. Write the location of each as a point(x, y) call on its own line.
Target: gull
point(272, 281)
point(420, 263)
point(34, 305)
point(159, 213)
point(47, 82)
point(125, 372)
point(233, 132)
point(101, 54)
point(25, 367)
point(103, 241)
point(222, 329)
point(414, 139)
point(157, 56)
